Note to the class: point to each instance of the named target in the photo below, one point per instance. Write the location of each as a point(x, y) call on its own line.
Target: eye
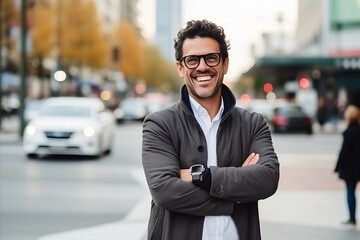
point(212, 58)
point(191, 60)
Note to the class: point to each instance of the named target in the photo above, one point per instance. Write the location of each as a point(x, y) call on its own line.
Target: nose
point(202, 64)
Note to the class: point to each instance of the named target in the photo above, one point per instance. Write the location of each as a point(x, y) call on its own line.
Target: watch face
point(197, 168)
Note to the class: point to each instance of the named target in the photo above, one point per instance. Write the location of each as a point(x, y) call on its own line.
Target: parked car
point(263, 107)
point(70, 126)
point(291, 118)
point(131, 109)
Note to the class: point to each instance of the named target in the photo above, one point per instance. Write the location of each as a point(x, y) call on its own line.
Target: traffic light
point(245, 99)
point(268, 87)
point(304, 82)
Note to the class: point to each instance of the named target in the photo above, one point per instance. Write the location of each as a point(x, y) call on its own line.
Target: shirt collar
point(198, 109)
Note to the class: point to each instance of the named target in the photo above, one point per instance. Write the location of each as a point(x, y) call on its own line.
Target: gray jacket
point(173, 140)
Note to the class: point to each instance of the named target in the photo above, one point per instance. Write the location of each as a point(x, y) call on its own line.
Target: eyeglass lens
point(193, 61)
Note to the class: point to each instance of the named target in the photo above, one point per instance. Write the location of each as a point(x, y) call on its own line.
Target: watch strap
point(196, 179)
point(196, 174)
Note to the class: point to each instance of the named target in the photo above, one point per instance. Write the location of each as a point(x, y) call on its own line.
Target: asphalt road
point(56, 194)
point(53, 194)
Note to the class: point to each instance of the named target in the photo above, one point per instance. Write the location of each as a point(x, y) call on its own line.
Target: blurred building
point(168, 22)
point(129, 12)
point(109, 13)
point(328, 28)
point(324, 51)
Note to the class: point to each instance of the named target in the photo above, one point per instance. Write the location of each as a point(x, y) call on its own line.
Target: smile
point(203, 78)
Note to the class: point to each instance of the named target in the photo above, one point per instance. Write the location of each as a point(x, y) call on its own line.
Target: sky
point(242, 20)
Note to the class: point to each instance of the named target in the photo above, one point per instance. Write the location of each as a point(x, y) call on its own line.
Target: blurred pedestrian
point(321, 113)
point(348, 164)
point(207, 162)
point(332, 110)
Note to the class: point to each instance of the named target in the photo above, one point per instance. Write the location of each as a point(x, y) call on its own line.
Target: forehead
point(200, 46)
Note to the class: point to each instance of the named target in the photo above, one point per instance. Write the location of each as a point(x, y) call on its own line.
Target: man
point(207, 162)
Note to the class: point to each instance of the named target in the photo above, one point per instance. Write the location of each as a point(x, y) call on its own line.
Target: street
point(56, 194)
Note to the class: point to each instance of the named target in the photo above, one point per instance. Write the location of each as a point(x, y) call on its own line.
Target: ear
point(180, 69)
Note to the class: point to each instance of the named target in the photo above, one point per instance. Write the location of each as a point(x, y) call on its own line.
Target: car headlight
point(89, 131)
point(30, 130)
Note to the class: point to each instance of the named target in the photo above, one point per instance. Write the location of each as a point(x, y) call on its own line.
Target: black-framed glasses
point(193, 61)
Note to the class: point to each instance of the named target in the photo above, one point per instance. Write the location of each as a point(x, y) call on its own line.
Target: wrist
point(197, 172)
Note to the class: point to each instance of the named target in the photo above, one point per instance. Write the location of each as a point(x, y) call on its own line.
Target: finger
point(248, 159)
point(251, 156)
point(255, 159)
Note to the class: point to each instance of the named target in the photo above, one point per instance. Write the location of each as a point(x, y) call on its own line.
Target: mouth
point(203, 78)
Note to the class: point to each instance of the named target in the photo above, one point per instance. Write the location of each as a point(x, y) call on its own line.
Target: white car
point(31, 109)
point(70, 126)
point(131, 109)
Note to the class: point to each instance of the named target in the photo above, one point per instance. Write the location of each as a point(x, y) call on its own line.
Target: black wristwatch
point(196, 172)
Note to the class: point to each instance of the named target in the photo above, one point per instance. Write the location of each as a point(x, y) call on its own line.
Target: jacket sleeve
point(161, 166)
point(253, 182)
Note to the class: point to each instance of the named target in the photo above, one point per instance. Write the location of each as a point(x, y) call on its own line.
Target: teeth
point(203, 78)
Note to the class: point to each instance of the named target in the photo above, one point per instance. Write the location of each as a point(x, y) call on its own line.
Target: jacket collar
point(228, 97)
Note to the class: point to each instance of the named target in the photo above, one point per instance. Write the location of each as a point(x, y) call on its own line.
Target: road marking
point(132, 227)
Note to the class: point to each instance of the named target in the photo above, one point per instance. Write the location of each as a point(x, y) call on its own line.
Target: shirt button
point(200, 148)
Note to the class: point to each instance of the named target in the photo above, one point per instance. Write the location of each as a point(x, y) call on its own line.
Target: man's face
point(203, 82)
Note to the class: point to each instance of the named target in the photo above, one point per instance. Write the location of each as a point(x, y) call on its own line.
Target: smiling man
point(207, 163)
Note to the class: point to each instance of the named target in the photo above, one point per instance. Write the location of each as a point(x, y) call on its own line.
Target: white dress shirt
point(215, 227)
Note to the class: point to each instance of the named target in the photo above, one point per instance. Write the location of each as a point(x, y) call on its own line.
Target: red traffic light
point(304, 82)
point(245, 99)
point(268, 87)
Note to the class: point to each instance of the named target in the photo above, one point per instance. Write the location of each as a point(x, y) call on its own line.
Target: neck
point(212, 105)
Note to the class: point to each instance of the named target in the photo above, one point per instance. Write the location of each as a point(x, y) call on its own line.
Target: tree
point(131, 59)
point(158, 72)
point(79, 35)
point(43, 31)
point(9, 17)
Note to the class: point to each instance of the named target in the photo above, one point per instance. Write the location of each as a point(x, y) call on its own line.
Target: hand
point(185, 175)
point(251, 159)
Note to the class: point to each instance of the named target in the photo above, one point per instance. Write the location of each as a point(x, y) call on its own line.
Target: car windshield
point(131, 104)
point(33, 105)
point(66, 111)
point(291, 111)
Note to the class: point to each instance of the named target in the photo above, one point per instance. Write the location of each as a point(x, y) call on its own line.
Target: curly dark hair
point(201, 28)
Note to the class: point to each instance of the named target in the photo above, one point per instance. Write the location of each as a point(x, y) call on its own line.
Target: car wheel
point(309, 131)
point(31, 155)
point(107, 152)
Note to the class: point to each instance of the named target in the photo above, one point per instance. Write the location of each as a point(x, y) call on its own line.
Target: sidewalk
point(9, 131)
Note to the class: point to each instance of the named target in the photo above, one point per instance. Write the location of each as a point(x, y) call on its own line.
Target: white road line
point(132, 227)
